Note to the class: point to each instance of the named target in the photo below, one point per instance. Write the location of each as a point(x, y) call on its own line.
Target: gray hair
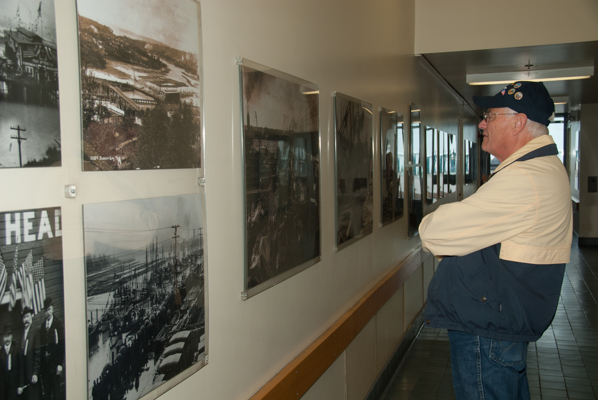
point(536, 129)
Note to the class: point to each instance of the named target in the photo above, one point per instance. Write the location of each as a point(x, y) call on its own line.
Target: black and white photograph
point(144, 262)
point(32, 356)
point(140, 84)
point(354, 169)
point(282, 167)
point(392, 161)
point(29, 106)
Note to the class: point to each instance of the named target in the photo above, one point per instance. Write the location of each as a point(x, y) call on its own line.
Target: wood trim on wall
point(295, 379)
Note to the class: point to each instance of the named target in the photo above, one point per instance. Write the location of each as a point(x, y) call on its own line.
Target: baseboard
point(587, 241)
point(385, 376)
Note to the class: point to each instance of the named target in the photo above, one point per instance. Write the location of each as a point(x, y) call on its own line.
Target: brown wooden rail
point(295, 379)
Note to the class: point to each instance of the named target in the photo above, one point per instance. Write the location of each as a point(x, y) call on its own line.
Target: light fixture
point(367, 109)
point(312, 92)
point(538, 75)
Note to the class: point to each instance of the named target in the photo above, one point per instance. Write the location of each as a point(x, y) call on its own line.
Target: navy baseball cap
point(529, 98)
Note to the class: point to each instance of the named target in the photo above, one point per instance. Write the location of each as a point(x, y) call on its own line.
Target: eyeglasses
point(487, 115)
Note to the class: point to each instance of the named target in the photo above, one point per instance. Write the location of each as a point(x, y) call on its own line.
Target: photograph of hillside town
point(140, 84)
point(29, 113)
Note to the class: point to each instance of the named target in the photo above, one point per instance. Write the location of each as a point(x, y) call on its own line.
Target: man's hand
point(34, 379)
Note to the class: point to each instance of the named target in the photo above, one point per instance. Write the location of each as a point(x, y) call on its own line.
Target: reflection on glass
point(416, 209)
point(391, 139)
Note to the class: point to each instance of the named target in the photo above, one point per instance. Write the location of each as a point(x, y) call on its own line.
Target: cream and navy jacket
point(503, 249)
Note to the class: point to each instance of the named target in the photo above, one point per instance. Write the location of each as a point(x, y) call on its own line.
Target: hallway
point(563, 364)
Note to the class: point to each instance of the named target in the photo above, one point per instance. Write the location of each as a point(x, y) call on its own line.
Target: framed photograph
point(140, 84)
point(29, 106)
point(281, 153)
point(452, 163)
point(144, 261)
point(470, 165)
point(415, 170)
point(393, 166)
point(432, 187)
point(32, 305)
point(354, 154)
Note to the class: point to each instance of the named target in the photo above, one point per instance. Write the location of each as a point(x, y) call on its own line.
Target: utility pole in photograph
point(19, 139)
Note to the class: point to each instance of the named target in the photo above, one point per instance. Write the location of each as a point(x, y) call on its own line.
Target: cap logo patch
point(517, 85)
point(511, 91)
point(503, 91)
point(518, 96)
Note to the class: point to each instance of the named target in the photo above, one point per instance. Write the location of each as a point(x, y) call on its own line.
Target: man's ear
point(519, 122)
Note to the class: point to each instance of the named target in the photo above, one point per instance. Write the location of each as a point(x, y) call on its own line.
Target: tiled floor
point(563, 364)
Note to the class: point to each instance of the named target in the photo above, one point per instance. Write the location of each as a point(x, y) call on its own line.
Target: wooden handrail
point(295, 379)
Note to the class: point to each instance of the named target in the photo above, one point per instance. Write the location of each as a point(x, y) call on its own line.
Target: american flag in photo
point(3, 277)
point(13, 291)
point(25, 282)
point(28, 275)
point(39, 286)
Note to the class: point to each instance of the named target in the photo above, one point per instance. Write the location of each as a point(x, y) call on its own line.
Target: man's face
point(496, 132)
point(49, 312)
point(7, 339)
point(27, 320)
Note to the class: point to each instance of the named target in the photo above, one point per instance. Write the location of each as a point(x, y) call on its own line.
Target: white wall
point(588, 202)
point(363, 49)
point(460, 25)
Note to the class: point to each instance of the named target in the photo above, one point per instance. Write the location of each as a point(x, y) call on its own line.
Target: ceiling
point(454, 66)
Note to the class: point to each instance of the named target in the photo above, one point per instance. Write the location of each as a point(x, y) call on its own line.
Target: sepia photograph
point(144, 262)
point(354, 169)
point(32, 359)
point(281, 144)
point(140, 84)
point(29, 106)
point(393, 165)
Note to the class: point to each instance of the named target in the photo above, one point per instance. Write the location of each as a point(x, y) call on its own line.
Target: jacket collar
point(530, 146)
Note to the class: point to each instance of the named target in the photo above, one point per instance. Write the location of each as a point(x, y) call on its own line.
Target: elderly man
point(503, 250)
point(51, 336)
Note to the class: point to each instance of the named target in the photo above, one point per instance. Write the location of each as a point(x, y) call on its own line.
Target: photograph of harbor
point(32, 305)
point(144, 262)
point(282, 186)
point(29, 109)
point(140, 84)
point(354, 169)
point(393, 165)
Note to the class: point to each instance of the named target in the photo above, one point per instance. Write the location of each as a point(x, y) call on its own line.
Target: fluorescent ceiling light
point(312, 92)
point(540, 75)
point(367, 109)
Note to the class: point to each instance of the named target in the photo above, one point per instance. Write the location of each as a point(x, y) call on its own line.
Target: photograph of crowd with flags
point(32, 364)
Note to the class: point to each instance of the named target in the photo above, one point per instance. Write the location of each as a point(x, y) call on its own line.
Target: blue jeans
point(488, 369)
